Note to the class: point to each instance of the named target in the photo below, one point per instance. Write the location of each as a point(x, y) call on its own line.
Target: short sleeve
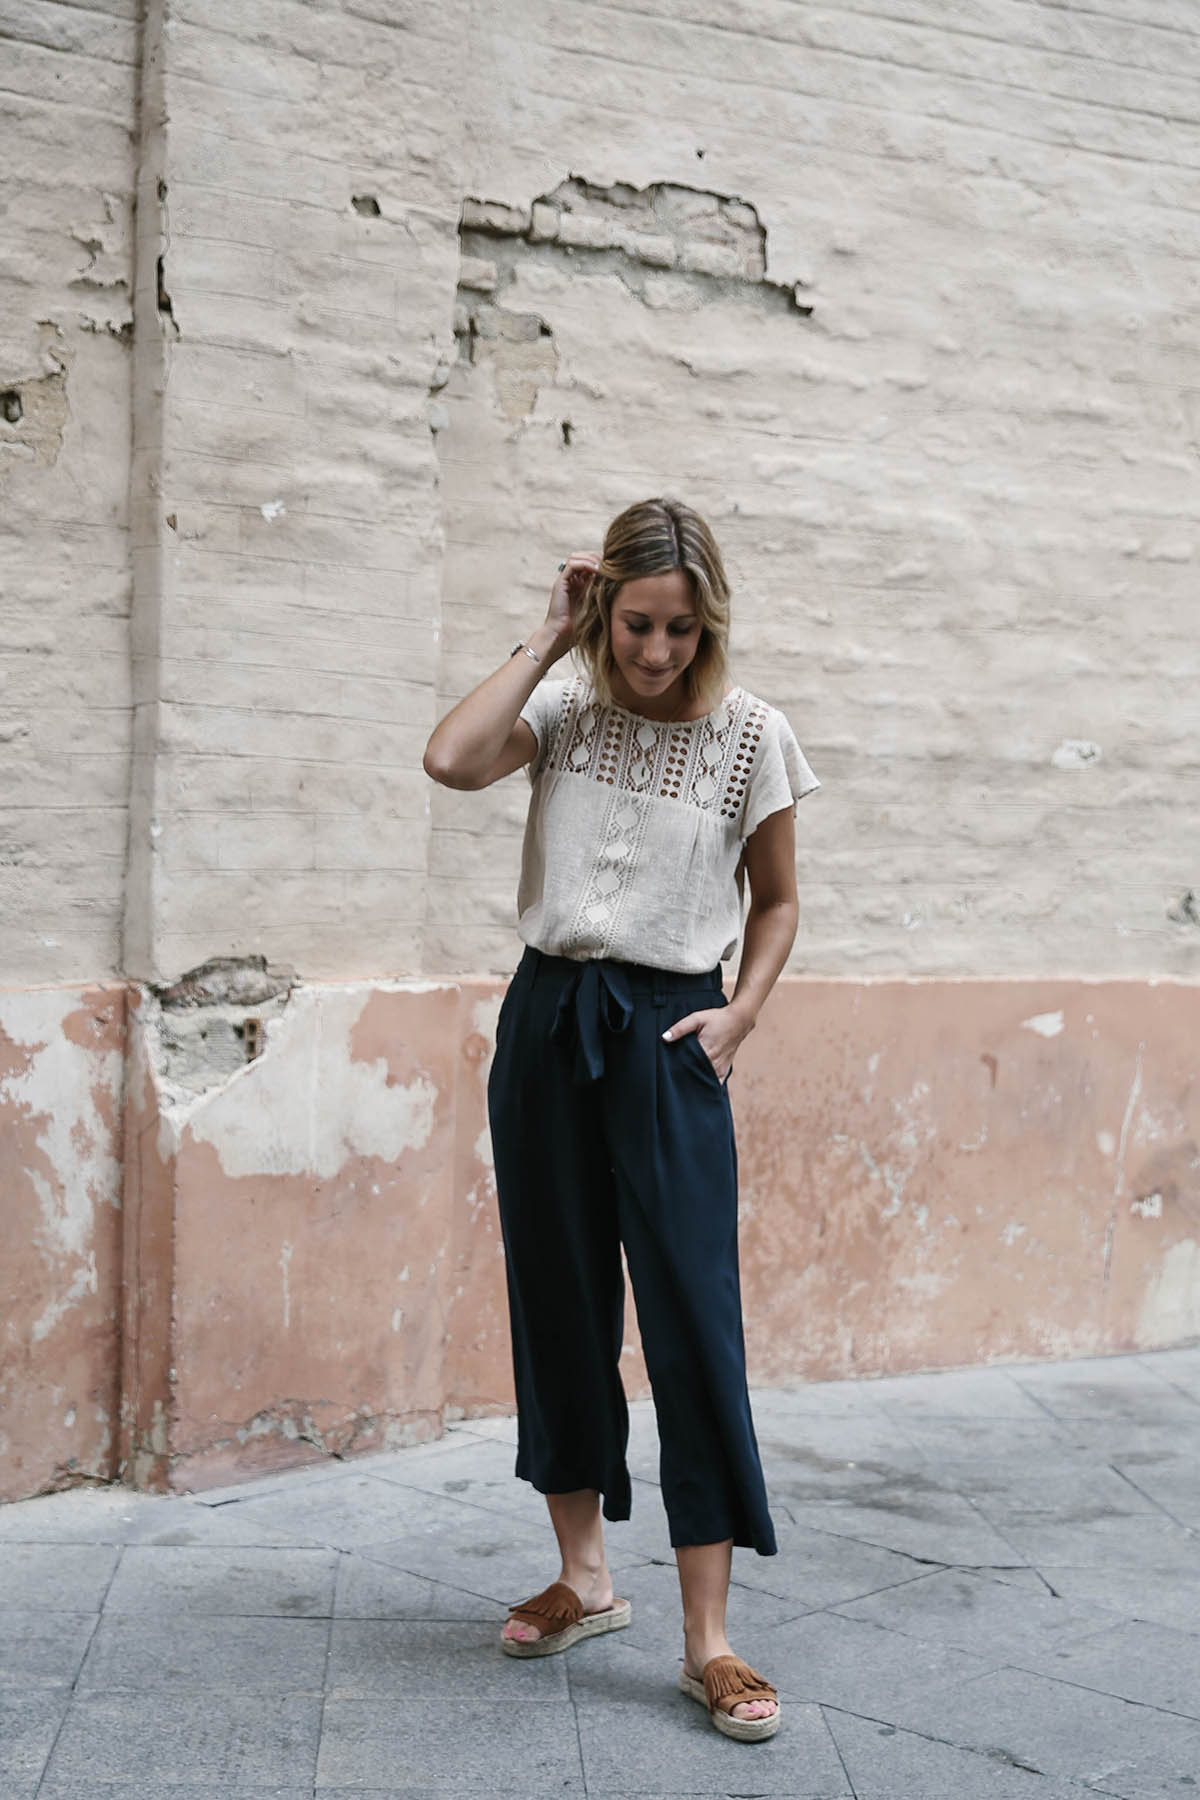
point(782, 776)
point(541, 713)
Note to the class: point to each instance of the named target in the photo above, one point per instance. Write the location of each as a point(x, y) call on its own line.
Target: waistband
point(639, 978)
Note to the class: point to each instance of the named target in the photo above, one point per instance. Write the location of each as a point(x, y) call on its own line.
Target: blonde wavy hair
point(652, 537)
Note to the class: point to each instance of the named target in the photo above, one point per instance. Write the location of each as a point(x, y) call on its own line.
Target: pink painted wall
point(934, 1174)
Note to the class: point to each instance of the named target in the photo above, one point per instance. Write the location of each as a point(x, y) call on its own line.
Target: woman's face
point(655, 634)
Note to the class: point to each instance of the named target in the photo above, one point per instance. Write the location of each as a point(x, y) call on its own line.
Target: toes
point(754, 1709)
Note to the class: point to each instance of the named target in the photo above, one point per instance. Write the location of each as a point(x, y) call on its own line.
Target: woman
point(657, 786)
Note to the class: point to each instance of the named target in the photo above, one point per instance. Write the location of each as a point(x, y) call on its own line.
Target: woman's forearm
point(466, 743)
point(769, 936)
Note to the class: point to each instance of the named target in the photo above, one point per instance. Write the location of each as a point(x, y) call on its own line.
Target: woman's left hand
point(720, 1030)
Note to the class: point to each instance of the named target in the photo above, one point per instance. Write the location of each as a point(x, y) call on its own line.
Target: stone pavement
point(988, 1586)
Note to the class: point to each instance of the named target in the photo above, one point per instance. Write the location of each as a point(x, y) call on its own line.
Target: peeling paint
point(285, 1257)
point(1170, 1311)
point(1046, 1025)
point(1076, 753)
point(305, 1106)
point(1122, 1142)
point(59, 1085)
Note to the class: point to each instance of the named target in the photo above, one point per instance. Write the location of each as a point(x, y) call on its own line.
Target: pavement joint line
point(1171, 1712)
point(837, 1749)
point(574, 1705)
point(1182, 1523)
point(1022, 1562)
point(333, 1613)
point(932, 1737)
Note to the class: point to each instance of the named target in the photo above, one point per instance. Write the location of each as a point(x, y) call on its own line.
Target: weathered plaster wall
point(61, 1054)
point(959, 492)
point(66, 108)
point(298, 1244)
point(300, 193)
point(932, 1175)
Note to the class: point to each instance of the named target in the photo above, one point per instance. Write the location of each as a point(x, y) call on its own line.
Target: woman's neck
point(662, 709)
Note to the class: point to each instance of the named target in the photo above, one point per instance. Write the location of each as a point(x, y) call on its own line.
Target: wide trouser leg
point(670, 1131)
point(558, 1218)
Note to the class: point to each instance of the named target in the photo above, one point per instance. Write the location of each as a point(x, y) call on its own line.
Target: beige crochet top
point(636, 828)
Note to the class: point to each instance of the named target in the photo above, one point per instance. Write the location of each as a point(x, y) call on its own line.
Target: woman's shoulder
point(742, 705)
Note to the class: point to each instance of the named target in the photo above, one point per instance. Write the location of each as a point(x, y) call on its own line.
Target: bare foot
point(595, 1591)
point(695, 1656)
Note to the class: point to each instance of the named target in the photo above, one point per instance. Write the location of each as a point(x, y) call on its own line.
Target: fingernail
point(667, 1035)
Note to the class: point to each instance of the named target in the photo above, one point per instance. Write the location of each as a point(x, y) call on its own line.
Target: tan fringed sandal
point(725, 1683)
point(557, 1612)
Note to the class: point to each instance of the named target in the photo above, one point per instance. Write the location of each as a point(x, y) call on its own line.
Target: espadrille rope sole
point(558, 1614)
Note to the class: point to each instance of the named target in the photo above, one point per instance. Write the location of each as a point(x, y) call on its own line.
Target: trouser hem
point(616, 1498)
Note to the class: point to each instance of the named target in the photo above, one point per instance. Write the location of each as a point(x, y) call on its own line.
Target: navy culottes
point(604, 1135)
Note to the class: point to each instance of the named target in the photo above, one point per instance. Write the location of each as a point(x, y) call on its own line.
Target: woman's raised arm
point(483, 738)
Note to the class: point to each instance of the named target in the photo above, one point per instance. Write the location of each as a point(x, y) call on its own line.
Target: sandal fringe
point(726, 1676)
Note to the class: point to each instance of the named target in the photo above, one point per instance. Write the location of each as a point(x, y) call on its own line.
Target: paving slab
point(845, 1452)
point(981, 1615)
point(456, 1743)
point(885, 1763)
point(814, 1567)
point(1169, 1481)
point(86, 1515)
point(292, 1582)
point(1108, 1388)
point(42, 1649)
point(30, 1719)
point(60, 1577)
point(486, 1554)
point(68, 1788)
point(989, 1393)
point(225, 1739)
point(668, 1745)
point(1091, 1537)
point(367, 1589)
point(353, 1513)
point(1059, 1729)
point(911, 1514)
point(139, 1652)
point(1134, 1660)
point(421, 1661)
point(858, 1665)
point(1165, 1596)
point(1058, 1485)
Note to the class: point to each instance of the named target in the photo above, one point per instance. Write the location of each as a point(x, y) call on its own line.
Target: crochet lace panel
point(705, 762)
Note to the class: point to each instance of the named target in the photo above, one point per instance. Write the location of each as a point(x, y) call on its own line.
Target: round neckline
point(673, 724)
